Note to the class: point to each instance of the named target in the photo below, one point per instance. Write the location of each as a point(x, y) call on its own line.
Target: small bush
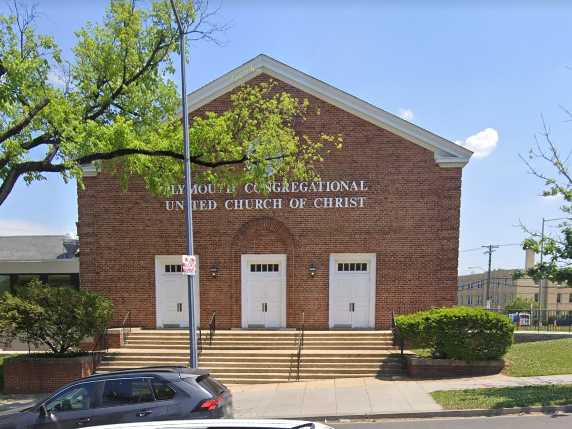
point(59, 318)
point(461, 333)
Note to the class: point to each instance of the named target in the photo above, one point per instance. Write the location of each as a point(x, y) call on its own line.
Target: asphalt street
point(504, 422)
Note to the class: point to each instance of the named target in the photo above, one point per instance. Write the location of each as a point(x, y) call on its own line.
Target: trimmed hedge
point(461, 333)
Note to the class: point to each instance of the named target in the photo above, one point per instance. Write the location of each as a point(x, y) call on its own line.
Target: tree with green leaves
point(547, 162)
point(116, 100)
point(521, 304)
point(57, 318)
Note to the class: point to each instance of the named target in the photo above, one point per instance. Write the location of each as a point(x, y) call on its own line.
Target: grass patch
point(539, 358)
point(505, 397)
point(531, 359)
point(422, 353)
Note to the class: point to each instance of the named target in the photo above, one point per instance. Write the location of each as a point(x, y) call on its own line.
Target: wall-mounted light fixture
point(312, 270)
point(214, 271)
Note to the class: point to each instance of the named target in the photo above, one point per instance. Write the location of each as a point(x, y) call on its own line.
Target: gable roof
point(447, 153)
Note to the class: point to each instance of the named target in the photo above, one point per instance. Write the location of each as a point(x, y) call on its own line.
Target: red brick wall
point(44, 375)
point(411, 221)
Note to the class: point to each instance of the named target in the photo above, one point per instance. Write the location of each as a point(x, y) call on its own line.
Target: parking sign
point(189, 263)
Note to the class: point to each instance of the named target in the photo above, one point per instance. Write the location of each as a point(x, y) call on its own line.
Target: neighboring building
point(51, 258)
point(377, 233)
point(504, 290)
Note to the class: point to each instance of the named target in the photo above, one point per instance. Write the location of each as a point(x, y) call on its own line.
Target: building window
point(61, 280)
point(570, 298)
point(24, 279)
point(352, 266)
point(535, 297)
point(5, 284)
point(173, 268)
point(69, 280)
point(264, 268)
point(558, 298)
point(469, 300)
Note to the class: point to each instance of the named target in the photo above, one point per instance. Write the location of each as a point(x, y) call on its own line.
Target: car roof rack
point(172, 369)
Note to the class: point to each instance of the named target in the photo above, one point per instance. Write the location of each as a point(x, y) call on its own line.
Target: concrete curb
point(443, 413)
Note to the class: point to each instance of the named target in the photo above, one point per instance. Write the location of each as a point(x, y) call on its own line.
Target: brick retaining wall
point(44, 374)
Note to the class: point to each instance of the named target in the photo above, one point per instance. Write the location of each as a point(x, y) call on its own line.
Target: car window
point(212, 386)
point(163, 391)
point(126, 391)
point(74, 398)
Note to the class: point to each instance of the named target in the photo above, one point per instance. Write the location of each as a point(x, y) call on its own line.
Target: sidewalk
point(361, 396)
point(344, 396)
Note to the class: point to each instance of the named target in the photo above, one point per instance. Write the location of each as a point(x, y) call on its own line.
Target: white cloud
point(20, 227)
point(56, 79)
point(406, 114)
point(482, 143)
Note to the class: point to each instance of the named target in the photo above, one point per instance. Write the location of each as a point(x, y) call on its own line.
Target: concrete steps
point(257, 356)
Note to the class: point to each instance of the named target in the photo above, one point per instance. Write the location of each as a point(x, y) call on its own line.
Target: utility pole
point(490, 249)
point(193, 358)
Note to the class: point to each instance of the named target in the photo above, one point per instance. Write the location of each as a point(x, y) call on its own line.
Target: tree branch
point(149, 64)
point(24, 122)
point(45, 166)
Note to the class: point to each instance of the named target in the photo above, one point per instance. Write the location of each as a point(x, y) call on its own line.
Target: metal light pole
point(193, 359)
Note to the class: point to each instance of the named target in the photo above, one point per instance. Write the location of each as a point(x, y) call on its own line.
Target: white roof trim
point(89, 170)
point(447, 153)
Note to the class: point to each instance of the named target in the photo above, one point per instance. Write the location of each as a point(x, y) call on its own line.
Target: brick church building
point(378, 233)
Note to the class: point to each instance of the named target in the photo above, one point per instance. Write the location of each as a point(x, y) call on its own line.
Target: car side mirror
point(43, 411)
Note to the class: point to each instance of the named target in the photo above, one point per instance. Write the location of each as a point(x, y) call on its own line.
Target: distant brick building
point(378, 233)
point(504, 289)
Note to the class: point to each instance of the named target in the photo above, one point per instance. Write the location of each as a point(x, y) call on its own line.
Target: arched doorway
point(265, 247)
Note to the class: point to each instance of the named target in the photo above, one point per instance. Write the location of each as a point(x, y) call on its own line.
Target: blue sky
point(452, 68)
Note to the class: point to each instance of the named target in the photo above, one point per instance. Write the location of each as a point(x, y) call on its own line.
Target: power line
point(497, 245)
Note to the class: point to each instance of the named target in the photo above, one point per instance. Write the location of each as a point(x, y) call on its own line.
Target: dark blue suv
point(146, 394)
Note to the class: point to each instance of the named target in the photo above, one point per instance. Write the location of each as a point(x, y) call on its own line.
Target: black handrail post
point(300, 345)
point(212, 328)
point(397, 338)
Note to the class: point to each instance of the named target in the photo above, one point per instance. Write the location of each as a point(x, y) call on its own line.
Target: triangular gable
point(447, 153)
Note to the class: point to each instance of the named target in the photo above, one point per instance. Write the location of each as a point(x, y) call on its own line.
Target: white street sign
point(189, 264)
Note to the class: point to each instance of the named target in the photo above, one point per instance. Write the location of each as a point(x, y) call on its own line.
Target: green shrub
point(458, 333)
point(59, 318)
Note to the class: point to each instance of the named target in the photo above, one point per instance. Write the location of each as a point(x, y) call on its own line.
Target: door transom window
point(352, 266)
point(173, 268)
point(264, 268)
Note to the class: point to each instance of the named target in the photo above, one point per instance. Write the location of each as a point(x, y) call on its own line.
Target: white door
point(352, 290)
point(171, 292)
point(263, 290)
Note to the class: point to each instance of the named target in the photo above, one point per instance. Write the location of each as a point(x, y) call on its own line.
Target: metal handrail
point(125, 320)
point(300, 345)
point(397, 338)
point(212, 328)
point(212, 332)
